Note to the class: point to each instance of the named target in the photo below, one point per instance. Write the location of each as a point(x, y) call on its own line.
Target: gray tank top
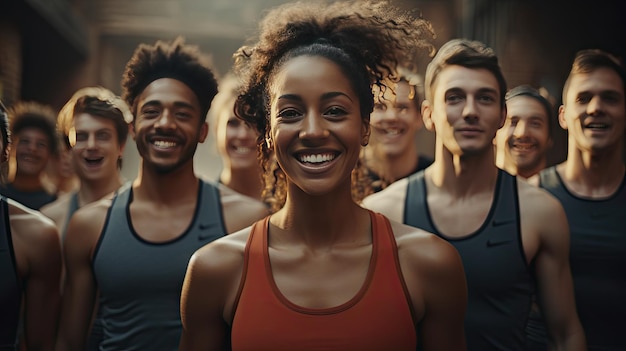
point(598, 263)
point(10, 285)
point(499, 282)
point(72, 207)
point(140, 282)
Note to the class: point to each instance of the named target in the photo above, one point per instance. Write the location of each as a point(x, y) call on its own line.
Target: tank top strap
point(548, 178)
point(415, 201)
point(73, 207)
point(209, 212)
point(505, 207)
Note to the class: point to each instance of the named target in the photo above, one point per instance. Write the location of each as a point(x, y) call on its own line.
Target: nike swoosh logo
point(208, 231)
point(497, 223)
point(492, 243)
point(205, 226)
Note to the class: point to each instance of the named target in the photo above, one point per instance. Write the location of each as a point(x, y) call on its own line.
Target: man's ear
point(562, 121)
point(427, 116)
point(503, 117)
point(204, 131)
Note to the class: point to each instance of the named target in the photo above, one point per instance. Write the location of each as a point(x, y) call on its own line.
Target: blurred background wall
point(51, 48)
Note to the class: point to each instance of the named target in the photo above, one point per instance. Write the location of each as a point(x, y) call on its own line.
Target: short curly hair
point(176, 60)
point(31, 114)
point(366, 39)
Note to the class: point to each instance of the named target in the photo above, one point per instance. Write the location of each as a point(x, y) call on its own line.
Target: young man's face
point(395, 121)
point(32, 151)
point(525, 138)
point(466, 110)
point(169, 125)
point(594, 110)
point(96, 148)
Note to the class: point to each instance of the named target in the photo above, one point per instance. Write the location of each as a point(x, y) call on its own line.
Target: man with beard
point(128, 255)
point(34, 138)
point(524, 140)
point(592, 189)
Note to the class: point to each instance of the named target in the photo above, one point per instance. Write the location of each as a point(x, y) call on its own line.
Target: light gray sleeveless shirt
point(140, 282)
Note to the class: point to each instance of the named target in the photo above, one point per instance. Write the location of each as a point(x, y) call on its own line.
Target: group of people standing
point(327, 229)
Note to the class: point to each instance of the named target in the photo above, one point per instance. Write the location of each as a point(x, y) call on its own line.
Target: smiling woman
point(321, 264)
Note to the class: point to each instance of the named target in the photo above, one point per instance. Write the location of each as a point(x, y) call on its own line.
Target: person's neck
point(392, 168)
point(592, 174)
point(321, 221)
point(244, 181)
point(465, 175)
point(27, 182)
point(531, 171)
point(91, 191)
point(176, 186)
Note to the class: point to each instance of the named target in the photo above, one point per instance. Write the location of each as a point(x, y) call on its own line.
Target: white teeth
point(242, 150)
point(164, 144)
point(317, 158)
point(393, 131)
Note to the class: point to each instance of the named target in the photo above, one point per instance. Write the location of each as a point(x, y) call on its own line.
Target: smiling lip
point(316, 162)
point(470, 131)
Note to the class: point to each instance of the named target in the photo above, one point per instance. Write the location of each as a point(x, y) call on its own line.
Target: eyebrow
point(180, 104)
point(325, 96)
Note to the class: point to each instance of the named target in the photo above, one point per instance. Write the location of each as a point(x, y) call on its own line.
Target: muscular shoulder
point(389, 201)
point(239, 210)
point(537, 203)
point(420, 248)
point(35, 237)
point(220, 262)
point(87, 222)
point(26, 222)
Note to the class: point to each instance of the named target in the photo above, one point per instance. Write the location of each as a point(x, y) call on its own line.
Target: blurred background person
point(60, 176)
point(30, 271)
point(522, 144)
point(94, 123)
point(236, 142)
point(33, 131)
point(392, 153)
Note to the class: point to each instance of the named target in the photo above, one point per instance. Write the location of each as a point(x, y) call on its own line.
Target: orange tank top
point(378, 317)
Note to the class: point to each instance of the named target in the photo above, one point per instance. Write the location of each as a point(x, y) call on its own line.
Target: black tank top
point(598, 262)
point(10, 284)
point(499, 281)
point(140, 281)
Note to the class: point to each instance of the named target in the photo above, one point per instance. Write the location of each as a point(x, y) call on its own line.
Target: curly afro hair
point(31, 114)
point(174, 60)
point(366, 39)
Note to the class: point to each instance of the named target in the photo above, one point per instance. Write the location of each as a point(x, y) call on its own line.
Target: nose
point(166, 120)
point(91, 141)
point(244, 131)
point(313, 127)
point(595, 105)
point(520, 129)
point(390, 113)
point(470, 112)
